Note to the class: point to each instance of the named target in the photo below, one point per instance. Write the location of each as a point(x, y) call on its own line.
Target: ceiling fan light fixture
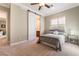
point(41, 4)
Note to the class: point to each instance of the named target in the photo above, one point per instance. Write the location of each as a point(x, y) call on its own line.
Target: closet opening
point(33, 26)
point(4, 25)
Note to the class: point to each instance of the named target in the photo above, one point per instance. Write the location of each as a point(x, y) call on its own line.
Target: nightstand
point(73, 39)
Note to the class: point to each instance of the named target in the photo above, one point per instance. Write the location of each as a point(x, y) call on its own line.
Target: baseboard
point(16, 43)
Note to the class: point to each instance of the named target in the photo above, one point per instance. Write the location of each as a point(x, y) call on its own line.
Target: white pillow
point(56, 32)
point(1, 33)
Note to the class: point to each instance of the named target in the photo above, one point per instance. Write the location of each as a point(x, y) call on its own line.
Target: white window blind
point(58, 22)
point(61, 20)
point(54, 21)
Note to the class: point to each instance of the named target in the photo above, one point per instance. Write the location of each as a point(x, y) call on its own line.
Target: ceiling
point(57, 7)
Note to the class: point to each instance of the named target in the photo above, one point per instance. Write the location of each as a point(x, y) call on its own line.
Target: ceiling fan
point(42, 5)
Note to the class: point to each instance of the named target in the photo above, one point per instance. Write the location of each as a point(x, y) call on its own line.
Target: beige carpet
point(27, 49)
point(33, 49)
point(3, 41)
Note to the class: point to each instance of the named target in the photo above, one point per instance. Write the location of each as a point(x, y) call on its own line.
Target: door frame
point(28, 22)
point(7, 23)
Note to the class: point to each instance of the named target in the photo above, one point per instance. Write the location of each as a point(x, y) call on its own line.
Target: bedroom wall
point(72, 20)
point(18, 24)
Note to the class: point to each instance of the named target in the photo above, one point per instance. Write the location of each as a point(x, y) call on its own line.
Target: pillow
point(56, 32)
point(1, 33)
point(50, 32)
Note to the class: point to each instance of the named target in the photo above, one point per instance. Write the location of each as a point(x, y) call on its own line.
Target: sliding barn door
point(32, 26)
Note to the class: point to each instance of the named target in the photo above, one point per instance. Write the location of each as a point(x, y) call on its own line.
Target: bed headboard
point(58, 30)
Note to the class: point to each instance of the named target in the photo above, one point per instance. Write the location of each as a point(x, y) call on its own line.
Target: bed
point(55, 40)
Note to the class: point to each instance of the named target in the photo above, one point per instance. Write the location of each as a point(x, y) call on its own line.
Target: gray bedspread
point(53, 40)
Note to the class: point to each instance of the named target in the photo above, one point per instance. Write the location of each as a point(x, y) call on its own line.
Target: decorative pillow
point(50, 32)
point(56, 32)
point(1, 33)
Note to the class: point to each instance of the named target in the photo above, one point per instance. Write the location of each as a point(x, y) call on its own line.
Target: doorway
point(4, 26)
point(33, 26)
point(38, 27)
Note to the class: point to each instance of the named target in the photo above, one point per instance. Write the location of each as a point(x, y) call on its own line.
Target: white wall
point(72, 19)
point(18, 24)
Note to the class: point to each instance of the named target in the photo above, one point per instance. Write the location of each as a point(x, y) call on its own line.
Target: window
point(61, 20)
point(58, 23)
point(54, 22)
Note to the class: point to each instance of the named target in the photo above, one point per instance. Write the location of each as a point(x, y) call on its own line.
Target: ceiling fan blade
point(39, 7)
point(47, 6)
point(34, 3)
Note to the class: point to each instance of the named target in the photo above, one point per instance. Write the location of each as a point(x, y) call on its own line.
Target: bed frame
point(50, 41)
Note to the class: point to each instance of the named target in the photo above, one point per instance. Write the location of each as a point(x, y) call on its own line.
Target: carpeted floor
point(3, 41)
point(27, 49)
point(34, 49)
